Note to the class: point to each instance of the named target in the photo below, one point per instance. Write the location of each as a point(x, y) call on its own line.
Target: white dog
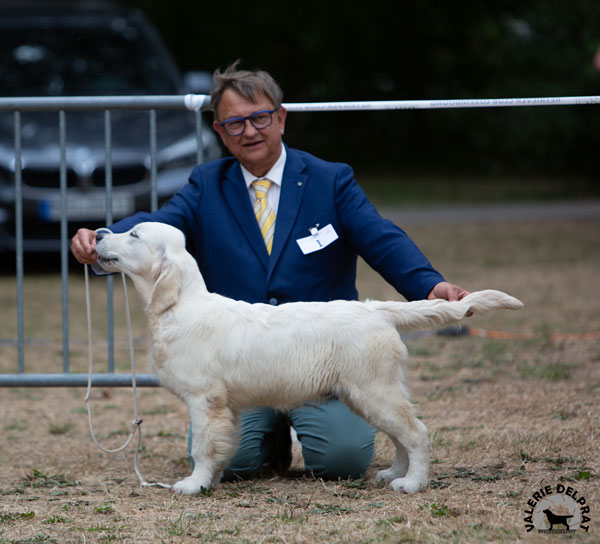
point(222, 356)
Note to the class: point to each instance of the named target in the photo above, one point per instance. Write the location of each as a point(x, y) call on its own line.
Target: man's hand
point(83, 246)
point(447, 291)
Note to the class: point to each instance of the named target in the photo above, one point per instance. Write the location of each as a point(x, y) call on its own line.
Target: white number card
point(318, 239)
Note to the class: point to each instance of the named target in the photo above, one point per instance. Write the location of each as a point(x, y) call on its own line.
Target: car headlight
point(184, 151)
point(180, 153)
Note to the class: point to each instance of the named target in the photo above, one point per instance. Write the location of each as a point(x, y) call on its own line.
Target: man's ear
point(281, 114)
point(220, 131)
point(167, 284)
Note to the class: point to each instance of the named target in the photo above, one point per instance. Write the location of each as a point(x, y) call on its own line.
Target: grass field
point(506, 417)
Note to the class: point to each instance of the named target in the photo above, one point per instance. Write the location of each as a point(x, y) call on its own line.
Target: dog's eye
point(133, 234)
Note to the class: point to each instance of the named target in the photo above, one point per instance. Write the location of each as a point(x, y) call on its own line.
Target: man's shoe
point(280, 457)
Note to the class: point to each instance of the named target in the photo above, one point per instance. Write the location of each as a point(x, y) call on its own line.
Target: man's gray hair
point(245, 82)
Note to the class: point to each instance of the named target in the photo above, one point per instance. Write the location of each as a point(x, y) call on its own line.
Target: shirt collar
point(275, 174)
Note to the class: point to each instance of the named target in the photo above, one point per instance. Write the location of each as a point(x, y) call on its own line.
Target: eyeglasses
point(259, 119)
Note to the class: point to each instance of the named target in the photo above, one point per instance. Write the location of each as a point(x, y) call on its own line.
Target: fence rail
point(70, 379)
point(193, 103)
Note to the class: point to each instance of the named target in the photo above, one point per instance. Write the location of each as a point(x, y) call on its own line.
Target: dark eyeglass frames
point(259, 119)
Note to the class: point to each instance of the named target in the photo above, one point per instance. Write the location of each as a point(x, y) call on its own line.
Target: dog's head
point(153, 255)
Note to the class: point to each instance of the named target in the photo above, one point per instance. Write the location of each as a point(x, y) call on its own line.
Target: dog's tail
point(423, 314)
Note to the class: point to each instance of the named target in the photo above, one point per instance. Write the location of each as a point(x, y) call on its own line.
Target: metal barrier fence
point(196, 104)
point(63, 105)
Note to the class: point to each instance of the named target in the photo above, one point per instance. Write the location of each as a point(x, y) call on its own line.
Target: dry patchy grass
point(505, 417)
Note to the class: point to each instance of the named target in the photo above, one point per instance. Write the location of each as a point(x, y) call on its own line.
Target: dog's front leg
point(214, 435)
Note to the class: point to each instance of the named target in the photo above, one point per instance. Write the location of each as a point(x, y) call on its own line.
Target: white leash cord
point(136, 423)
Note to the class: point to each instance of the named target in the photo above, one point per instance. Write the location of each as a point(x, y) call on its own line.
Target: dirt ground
point(507, 417)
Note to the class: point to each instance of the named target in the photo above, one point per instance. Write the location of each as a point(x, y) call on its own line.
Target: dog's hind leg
point(387, 408)
point(416, 442)
point(214, 427)
point(400, 466)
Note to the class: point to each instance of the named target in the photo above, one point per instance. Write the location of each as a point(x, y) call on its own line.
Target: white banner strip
point(443, 104)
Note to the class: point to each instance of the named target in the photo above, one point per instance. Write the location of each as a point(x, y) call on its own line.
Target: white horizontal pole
point(443, 104)
point(202, 102)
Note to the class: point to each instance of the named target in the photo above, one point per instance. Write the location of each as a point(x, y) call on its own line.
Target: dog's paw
point(407, 485)
point(387, 476)
point(190, 486)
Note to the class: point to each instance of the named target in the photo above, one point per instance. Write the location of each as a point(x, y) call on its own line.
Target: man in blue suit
point(322, 222)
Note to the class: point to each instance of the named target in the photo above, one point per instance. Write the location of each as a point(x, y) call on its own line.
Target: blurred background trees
point(431, 49)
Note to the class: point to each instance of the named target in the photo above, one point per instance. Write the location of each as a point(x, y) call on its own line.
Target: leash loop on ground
point(137, 421)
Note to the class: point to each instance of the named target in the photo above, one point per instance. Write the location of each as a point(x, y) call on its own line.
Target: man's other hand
point(447, 291)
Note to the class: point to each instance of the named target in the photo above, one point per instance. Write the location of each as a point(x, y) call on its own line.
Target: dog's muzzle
point(104, 259)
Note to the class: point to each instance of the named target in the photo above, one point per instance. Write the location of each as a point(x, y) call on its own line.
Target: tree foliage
point(431, 49)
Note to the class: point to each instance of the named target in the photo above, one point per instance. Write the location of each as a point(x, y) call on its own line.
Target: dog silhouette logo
point(557, 509)
point(555, 519)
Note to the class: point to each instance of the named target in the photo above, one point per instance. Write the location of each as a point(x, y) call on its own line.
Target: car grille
point(50, 178)
point(42, 177)
point(121, 175)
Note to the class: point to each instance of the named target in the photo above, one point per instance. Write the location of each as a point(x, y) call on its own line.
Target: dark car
point(74, 50)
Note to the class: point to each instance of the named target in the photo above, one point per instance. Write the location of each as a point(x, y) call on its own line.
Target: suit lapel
point(236, 196)
point(292, 188)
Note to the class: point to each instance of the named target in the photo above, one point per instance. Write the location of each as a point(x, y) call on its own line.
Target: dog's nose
point(101, 233)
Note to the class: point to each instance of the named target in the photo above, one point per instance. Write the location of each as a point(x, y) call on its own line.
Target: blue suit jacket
point(215, 214)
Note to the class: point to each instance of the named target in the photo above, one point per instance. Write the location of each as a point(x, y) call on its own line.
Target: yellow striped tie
point(264, 213)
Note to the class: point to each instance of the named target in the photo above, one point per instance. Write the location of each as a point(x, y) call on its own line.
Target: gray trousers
point(336, 443)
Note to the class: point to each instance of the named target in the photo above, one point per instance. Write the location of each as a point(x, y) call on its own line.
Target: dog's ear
point(167, 284)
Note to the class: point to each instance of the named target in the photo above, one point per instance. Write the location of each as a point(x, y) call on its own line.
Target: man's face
point(257, 150)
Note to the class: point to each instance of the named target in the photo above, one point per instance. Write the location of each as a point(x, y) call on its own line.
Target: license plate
point(81, 208)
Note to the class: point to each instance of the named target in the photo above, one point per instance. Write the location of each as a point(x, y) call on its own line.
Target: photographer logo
point(557, 509)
